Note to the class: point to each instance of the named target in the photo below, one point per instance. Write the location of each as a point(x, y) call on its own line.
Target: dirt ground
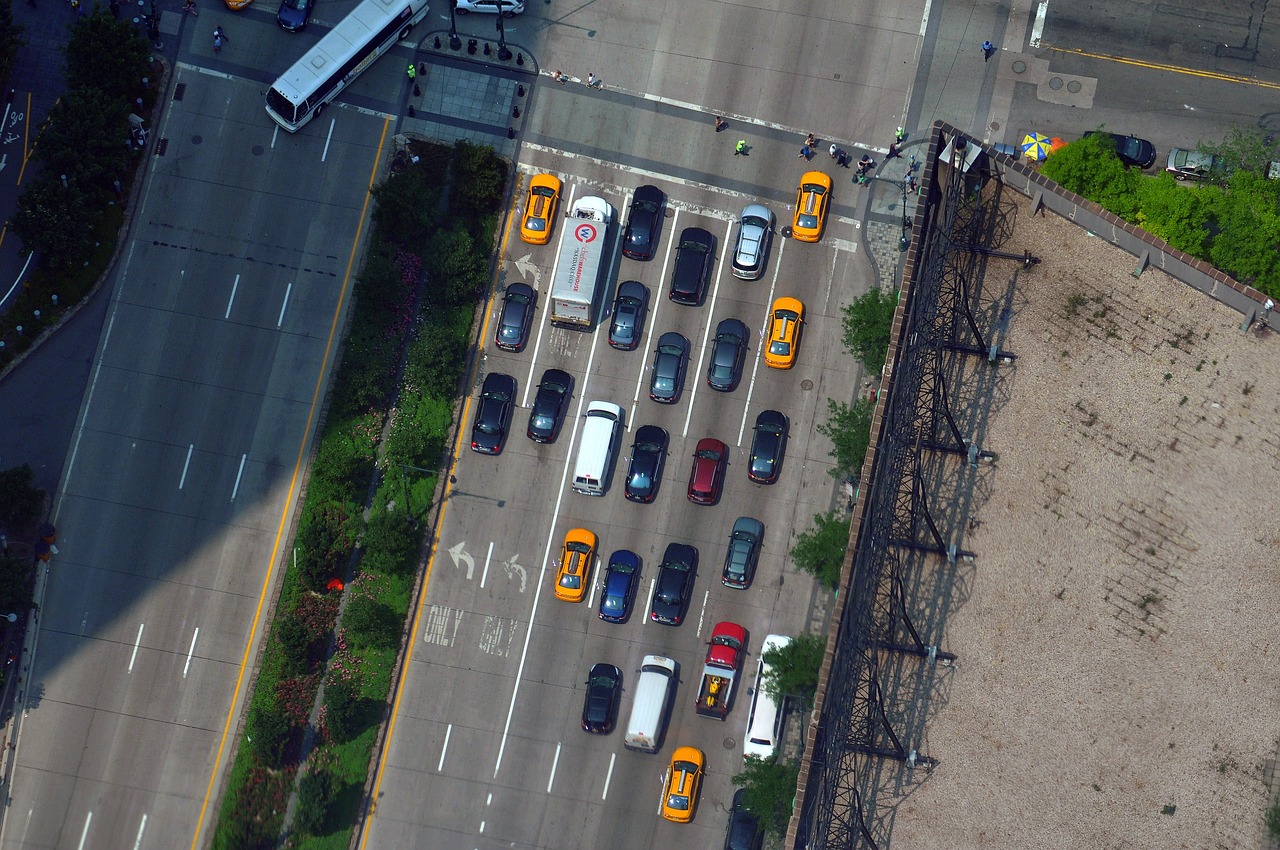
point(1117, 678)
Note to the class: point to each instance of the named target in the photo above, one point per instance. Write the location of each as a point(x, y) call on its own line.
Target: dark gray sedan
point(627, 325)
point(728, 352)
point(669, 361)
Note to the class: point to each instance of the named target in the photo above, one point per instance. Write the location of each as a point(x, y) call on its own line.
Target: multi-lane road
point(184, 465)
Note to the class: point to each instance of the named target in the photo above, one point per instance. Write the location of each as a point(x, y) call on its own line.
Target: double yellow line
point(1177, 69)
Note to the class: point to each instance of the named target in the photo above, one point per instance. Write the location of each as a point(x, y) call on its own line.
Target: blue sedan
point(621, 578)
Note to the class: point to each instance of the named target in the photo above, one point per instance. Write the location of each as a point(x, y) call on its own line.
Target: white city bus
point(340, 57)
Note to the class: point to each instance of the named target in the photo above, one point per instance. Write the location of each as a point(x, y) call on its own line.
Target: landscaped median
point(322, 690)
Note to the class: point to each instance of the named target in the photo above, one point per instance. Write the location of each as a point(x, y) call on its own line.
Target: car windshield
point(678, 801)
point(496, 395)
point(534, 223)
point(779, 346)
point(580, 548)
point(815, 189)
point(569, 581)
point(544, 191)
point(645, 206)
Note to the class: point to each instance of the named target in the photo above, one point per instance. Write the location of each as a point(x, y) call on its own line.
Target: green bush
point(794, 668)
point(479, 177)
point(267, 728)
point(295, 645)
point(820, 550)
point(21, 501)
point(390, 544)
point(418, 431)
point(407, 208)
point(314, 790)
point(868, 326)
point(438, 352)
point(849, 430)
point(457, 273)
point(768, 791)
point(371, 623)
point(345, 714)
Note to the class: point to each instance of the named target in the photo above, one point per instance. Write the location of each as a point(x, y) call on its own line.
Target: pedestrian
point(559, 77)
point(740, 149)
point(810, 141)
point(893, 151)
point(806, 152)
point(911, 183)
point(190, 6)
point(834, 151)
point(218, 38)
point(720, 123)
point(413, 71)
point(987, 50)
point(844, 159)
point(900, 136)
point(75, 5)
point(591, 80)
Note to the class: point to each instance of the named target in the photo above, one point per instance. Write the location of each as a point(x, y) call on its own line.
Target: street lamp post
point(455, 43)
point(12, 618)
point(904, 241)
point(503, 53)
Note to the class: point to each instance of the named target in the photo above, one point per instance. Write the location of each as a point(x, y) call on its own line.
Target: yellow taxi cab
point(680, 792)
point(785, 320)
point(811, 206)
point(576, 558)
point(540, 209)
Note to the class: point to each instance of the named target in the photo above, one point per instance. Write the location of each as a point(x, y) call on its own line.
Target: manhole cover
point(1019, 67)
point(257, 150)
point(730, 743)
point(1074, 87)
point(995, 125)
point(1055, 83)
point(197, 140)
point(806, 384)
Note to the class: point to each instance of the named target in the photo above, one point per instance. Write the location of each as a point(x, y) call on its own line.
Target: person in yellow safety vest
point(413, 70)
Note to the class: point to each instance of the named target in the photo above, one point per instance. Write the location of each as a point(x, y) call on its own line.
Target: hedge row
point(388, 427)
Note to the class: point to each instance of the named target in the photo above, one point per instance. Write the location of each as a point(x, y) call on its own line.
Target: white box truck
point(653, 699)
point(583, 242)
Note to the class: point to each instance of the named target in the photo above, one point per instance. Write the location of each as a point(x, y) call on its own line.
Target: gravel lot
point(1118, 644)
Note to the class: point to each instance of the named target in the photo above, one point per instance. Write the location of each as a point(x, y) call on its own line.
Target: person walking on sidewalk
point(893, 153)
point(988, 49)
point(218, 38)
point(412, 72)
point(740, 149)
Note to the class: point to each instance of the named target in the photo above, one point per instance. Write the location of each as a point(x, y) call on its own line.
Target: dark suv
point(693, 266)
point(643, 223)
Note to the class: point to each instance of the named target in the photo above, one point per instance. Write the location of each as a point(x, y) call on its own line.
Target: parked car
point(509, 8)
point(644, 472)
point(744, 828)
point(728, 352)
point(1194, 165)
point(674, 584)
point(600, 706)
point(493, 414)
point(694, 257)
point(812, 200)
point(751, 249)
point(294, 15)
point(547, 413)
point(629, 307)
point(707, 475)
point(618, 587)
point(680, 790)
point(743, 553)
point(516, 317)
point(540, 206)
point(1130, 149)
point(783, 338)
point(669, 361)
point(768, 445)
point(644, 223)
point(576, 560)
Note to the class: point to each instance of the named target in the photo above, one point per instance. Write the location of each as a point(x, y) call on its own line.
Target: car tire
point(462, 11)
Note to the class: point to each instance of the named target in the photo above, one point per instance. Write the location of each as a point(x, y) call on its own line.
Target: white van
point(595, 452)
point(653, 699)
point(764, 722)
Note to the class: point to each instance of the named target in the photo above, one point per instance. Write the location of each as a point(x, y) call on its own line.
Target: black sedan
point(493, 414)
point(618, 587)
point(627, 324)
point(648, 454)
point(674, 585)
point(547, 413)
point(643, 224)
point(604, 689)
point(767, 447)
point(1130, 149)
point(694, 256)
point(516, 317)
point(669, 360)
point(728, 352)
point(743, 553)
point(744, 828)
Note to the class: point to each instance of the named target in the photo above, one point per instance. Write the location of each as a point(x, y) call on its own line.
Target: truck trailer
point(583, 243)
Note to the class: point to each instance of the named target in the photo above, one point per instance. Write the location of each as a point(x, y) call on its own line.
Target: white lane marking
point(488, 556)
point(141, 828)
point(239, 475)
point(546, 552)
point(706, 331)
point(284, 305)
point(84, 834)
point(461, 556)
point(328, 139)
point(489, 799)
point(136, 641)
point(186, 465)
point(604, 792)
point(185, 667)
point(444, 748)
point(551, 780)
point(653, 585)
point(1037, 29)
point(702, 615)
point(593, 572)
point(232, 299)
